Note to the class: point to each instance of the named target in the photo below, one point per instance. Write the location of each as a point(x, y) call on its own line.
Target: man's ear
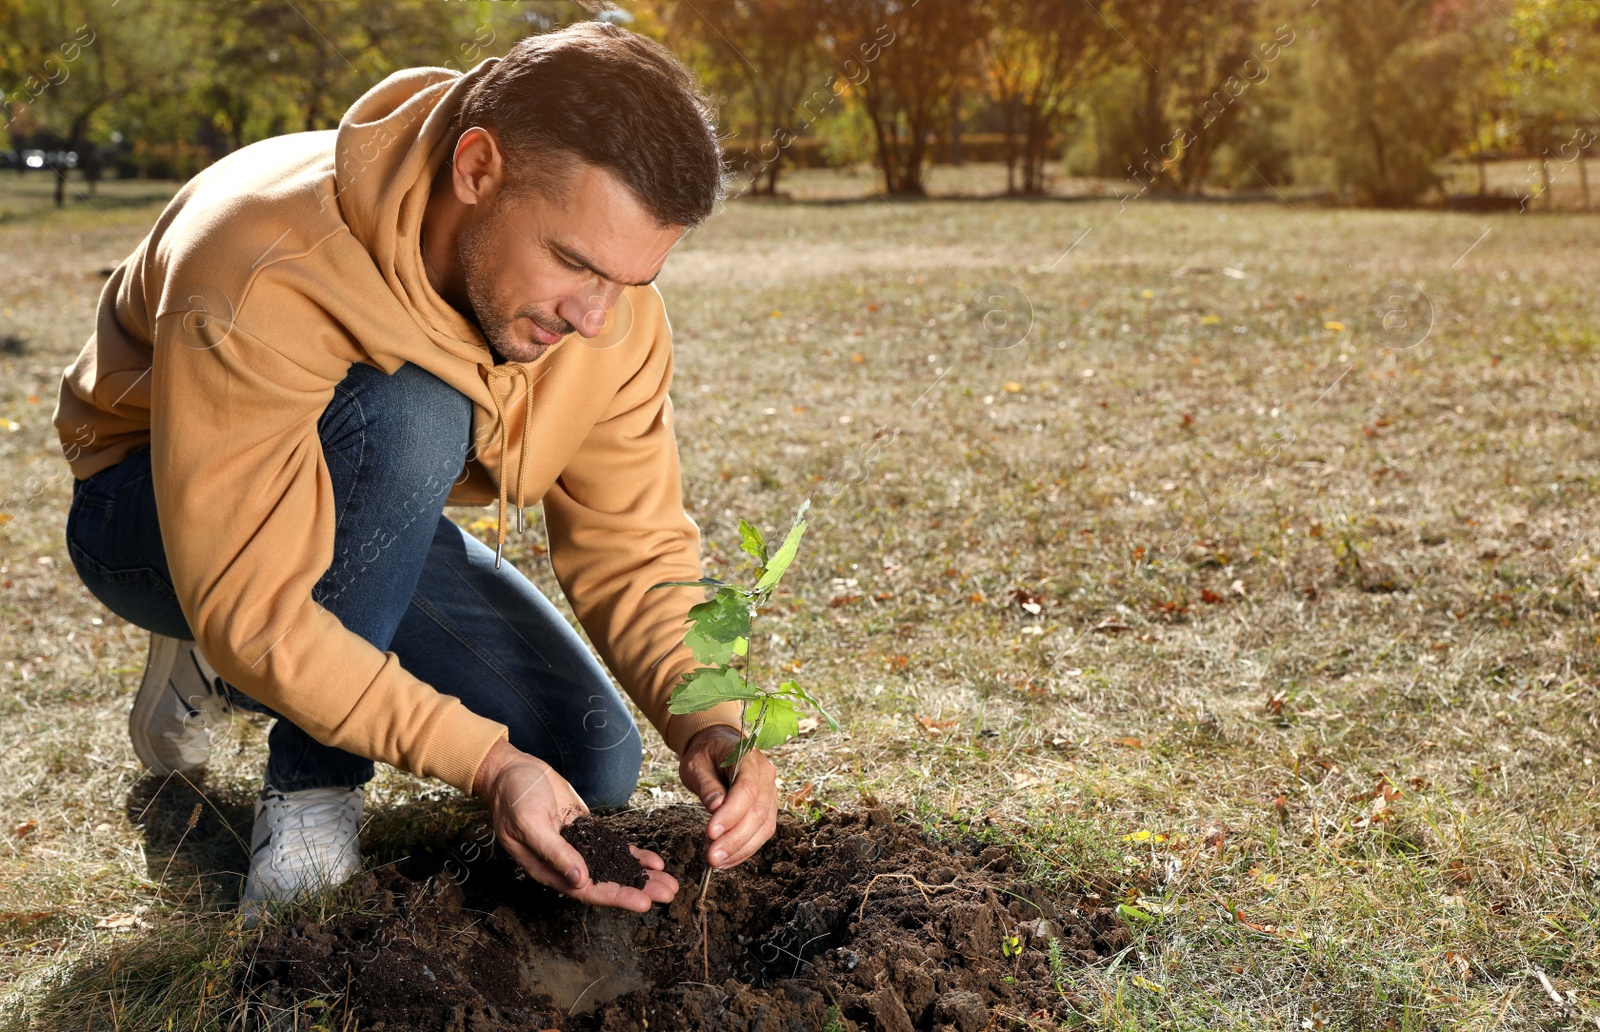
point(477, 167)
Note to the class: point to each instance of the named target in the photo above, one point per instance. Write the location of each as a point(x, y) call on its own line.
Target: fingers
point(750, 815)
point(650, 861)
point(701, 776)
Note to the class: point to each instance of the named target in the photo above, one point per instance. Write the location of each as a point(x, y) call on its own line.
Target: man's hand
point(742, 817)
point(528, 803)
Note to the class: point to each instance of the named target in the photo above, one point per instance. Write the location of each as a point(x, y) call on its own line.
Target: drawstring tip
point(498, 547)
point(521, 527)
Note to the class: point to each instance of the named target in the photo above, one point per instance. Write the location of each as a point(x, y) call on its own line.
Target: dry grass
point(1313, 676)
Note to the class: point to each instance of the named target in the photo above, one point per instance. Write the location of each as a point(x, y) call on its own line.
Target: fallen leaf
point(1144, 836)
point(1335, 325)
point(1011, 387)
point(25, 829)
point(1210, 320)
point(807, 724)
point(1029, 602)
point(1147, 294)
point(1131, 743)
point(801, 794)
point(24, 918)
point(1265, 929)
point(117, 922)
point(858, 358)
point(1144, 983)
point(1110, 627)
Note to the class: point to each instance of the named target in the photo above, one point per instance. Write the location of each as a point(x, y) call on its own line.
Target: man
point(330, 336)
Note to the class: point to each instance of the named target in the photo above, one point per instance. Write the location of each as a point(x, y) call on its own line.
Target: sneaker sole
point(157, 678)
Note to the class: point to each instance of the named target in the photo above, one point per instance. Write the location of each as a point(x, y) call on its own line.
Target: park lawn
point(1276, 626)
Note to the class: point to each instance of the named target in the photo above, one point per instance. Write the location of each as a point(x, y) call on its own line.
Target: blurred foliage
point(1361, 98)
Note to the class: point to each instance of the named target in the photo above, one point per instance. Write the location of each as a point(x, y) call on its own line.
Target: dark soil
point(604, 851)
point(857, 919)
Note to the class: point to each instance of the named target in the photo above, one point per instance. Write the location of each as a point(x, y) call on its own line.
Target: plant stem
point(705, 942)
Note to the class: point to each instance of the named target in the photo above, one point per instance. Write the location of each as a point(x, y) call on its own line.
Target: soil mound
point(857, 920)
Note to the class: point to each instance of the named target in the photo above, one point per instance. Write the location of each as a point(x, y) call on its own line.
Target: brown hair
point(603, 95)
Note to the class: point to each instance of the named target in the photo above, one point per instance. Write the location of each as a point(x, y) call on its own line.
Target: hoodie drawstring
point(511, 370)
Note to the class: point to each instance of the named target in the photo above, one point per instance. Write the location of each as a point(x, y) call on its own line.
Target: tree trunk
point(1008, 120)
point(1036, 140)
point(958, 155)
point(1544, 179)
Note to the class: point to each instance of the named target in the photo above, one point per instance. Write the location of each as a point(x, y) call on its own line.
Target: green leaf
point(793, 688)
point(776, 722)
point(752, 542)
point(704, 688)
point(724, 617)
point(1134, 914)
point(714, 652)
point(721, 627)
point(786, 552)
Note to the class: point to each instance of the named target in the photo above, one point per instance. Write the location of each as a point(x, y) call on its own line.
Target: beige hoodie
point(219, 342)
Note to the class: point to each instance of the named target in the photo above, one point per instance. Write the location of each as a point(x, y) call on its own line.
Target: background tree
point(1038, 55)
point(910, 62)
point(1552, 82)
point(1363, 123)
point(763, 60)
point(1183, 54)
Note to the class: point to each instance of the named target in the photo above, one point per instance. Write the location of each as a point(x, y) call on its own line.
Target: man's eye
point(570, 265)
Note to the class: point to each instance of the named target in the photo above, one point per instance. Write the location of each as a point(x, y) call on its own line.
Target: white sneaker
point(179, 701)
point(302, 842)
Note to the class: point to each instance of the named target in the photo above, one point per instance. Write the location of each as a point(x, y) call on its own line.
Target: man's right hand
point(528, 803)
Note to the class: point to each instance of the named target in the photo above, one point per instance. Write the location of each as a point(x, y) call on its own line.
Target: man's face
point(544, 264)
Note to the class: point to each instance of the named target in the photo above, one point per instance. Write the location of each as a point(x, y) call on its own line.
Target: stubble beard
point(474, 250)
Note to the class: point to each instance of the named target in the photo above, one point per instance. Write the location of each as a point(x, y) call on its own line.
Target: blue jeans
point(404, 577)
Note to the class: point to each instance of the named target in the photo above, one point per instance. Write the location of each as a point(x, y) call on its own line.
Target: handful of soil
point(605, 851)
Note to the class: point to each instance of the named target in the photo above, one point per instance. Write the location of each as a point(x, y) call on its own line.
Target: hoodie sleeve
point(247, 520)
point(617, 526)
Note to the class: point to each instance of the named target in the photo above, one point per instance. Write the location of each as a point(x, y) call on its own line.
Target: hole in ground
point(856, 918)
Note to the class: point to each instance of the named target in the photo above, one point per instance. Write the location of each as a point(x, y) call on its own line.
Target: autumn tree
point(1381, 97)
point(1552, 78)
point(1038, 54)
point(763, 60)
point(910, 60)
point(1193, 61)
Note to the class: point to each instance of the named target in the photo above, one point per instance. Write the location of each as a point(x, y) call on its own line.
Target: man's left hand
point(744, 816)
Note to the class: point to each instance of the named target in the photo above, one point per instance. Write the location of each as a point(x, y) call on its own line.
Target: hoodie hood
point(389, 146)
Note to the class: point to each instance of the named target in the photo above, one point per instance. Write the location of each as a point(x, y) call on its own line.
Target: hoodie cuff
point(457, 748)
point(683, 726)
